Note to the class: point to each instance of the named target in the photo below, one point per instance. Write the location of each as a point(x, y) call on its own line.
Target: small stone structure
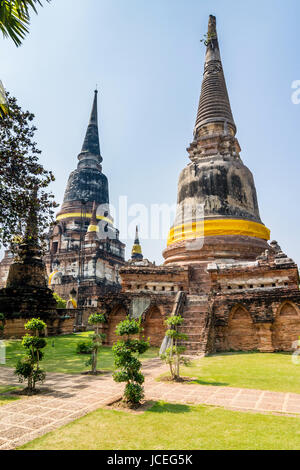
point(26, 294)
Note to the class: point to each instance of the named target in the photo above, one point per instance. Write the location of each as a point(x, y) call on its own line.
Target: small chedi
point(234, 289)
point(26, 293)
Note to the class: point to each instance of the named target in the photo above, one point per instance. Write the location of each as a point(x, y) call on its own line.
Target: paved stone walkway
point(68, 397)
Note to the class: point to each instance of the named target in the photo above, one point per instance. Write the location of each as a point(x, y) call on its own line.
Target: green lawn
point(274, 372)
point(172, 427)
point(5, 395)
point(60, 355)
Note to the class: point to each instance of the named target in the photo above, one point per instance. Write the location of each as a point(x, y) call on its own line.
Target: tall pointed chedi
point(217, 213)
point(87, 184)
point(85, 252)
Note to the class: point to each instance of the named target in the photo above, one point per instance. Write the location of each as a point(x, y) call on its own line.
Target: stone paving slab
point(65, 398)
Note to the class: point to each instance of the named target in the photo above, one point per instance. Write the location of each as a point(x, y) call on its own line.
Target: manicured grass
point(5, 395)
point(172, 427)
point(60, 355)
point(274, 372)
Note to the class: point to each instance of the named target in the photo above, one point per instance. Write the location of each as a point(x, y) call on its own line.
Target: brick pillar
point(264, 333)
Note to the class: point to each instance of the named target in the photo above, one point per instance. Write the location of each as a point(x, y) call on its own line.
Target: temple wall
point(56, 325)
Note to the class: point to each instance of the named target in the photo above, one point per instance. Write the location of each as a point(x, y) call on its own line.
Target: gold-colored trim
point(136, 250)
point(218, 227)
point(79, 215)
point(93, 228)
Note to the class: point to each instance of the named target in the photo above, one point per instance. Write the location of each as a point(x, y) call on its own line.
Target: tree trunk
point(94, 361)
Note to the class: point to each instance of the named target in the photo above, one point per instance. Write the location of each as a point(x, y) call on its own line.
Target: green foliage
point(128, 327)
point(133, 393)
point(173, 355)
point(174, 321)
point(35, 325)
point(15, 18)
point(3, 101)
point(34, 344)
point(97, 318)
point(25, 371)
point(21, 174)
point(60, 303)
point(84, 347)
point(28, 368)
point(126, 354)
point(208, 38)
point(176, 335)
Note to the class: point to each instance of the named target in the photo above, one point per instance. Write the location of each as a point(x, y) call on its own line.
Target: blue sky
point(147, 60)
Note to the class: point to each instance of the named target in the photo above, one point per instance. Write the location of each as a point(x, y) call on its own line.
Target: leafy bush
point(126, 359)
point(60, 303)
point(84, 347)
point(36, 325)
point(28, 368)
point(173, 355)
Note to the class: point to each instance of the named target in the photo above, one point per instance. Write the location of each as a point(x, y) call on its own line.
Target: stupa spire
point(91, 144)
point(214, 104)
point(136, 253)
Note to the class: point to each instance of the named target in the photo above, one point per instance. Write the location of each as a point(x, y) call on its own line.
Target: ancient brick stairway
point(197, 320)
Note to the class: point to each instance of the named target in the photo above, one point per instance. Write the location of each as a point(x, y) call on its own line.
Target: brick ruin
point(26, 294)
point(235, 290)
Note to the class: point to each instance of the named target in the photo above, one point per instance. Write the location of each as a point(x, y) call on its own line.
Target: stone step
point(192, 328)
point(194, 312)
point(194, 315)
point(193, 338)
point(193, 346)
point(193, 323)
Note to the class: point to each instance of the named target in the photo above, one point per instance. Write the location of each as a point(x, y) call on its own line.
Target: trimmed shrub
point(126, 354)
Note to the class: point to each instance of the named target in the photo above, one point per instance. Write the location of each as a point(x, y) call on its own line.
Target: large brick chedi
point(217, 214)
point(234, 289)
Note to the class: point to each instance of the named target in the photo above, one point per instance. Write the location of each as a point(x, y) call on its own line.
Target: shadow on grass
point(233, 353)
point(161, 407)
point(207, 382)
point(247, 353)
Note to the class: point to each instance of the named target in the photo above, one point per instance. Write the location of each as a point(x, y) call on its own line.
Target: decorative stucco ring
point(218, 227)
point(79, 215)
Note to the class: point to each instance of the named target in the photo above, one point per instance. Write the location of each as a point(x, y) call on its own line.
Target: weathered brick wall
point(264, 322)
point(56, 325)
point(154, 327)
point(113, 320)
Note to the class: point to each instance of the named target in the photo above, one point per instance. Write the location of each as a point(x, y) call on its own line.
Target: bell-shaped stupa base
point(215, 248)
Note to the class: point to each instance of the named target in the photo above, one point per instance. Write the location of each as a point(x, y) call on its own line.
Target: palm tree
point(15, 18)
point(14, 22)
